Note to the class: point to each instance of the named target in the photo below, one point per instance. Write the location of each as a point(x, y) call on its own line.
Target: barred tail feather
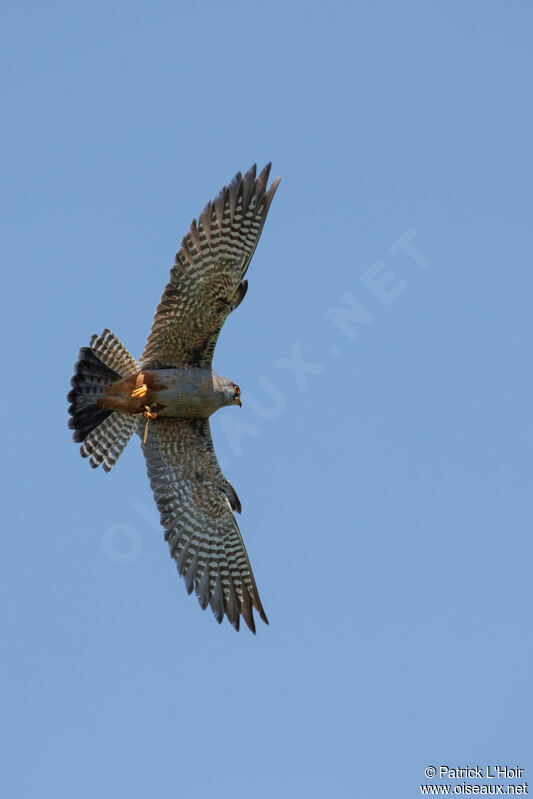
point(106, 442)
point(112, 352)
point(102, 433)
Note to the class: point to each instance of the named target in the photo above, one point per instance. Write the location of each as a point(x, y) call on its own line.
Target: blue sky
point(386, 490)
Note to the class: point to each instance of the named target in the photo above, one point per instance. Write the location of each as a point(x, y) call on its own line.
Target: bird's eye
point(237, 390)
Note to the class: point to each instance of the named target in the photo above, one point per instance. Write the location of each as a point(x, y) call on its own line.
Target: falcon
point(169, 396)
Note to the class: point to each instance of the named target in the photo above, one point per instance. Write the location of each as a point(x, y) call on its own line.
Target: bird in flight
point(169, 396)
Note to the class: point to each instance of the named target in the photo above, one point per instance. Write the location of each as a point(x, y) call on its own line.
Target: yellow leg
point(148, 414)
point(139, 392)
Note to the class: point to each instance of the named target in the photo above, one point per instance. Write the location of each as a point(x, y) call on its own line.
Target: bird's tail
point(103, 434)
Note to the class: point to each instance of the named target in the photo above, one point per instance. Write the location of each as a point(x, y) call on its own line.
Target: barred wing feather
point(195, 501)
point(206, 281)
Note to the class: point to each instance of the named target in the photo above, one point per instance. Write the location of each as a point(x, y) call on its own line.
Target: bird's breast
point(185, 393)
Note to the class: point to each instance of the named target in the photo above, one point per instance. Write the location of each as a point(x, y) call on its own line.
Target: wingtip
point(273, 186)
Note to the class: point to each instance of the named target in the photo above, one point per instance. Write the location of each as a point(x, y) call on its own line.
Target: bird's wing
point(196, 502)
point(206, 281)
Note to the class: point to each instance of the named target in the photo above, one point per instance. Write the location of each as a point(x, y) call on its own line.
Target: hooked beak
point(238, 402)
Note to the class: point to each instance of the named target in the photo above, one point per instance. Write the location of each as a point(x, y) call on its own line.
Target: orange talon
point(139, 392)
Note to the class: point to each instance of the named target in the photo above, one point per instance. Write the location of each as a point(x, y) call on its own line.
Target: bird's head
point(230, 392)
